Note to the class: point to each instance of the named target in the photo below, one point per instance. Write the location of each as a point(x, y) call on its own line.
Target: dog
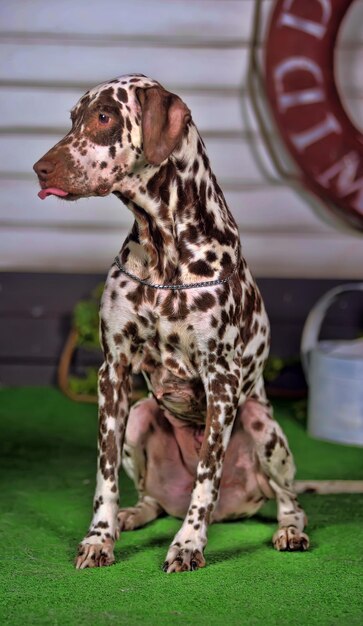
point(180, 305)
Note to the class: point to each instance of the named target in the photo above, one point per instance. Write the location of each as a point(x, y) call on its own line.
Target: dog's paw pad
point(290, 539)
point(94, 555)
point(183, 560)
point(128, 519)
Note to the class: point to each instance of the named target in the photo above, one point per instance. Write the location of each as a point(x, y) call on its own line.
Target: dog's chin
point(71, 196)
point(99, 192)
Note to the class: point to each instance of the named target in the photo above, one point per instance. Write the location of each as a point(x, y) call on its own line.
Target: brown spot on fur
point(122, 94)
point(201, 268)
point(270, 446)
point(204, 302)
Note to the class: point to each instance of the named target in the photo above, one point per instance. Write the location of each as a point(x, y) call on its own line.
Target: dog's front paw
point(94, 554)
point(183, 559)
point(290, 539)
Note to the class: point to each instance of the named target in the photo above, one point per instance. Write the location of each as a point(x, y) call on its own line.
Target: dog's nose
point(43, 167)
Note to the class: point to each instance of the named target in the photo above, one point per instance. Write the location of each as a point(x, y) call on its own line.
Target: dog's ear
point(164, 118)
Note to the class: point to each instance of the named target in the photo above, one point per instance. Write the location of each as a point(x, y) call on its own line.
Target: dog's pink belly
point(172, 458)
point(167, 479)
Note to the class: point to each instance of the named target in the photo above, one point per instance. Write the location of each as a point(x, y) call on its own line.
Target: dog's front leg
point(96, 549)
point(186, 550)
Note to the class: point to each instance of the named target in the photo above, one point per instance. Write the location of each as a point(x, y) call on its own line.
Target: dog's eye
point(103, 118)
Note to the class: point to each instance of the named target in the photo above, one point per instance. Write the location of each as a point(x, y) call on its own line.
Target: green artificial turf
point(47, 481)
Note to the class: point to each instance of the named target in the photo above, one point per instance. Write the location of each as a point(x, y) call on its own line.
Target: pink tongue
point(51, 191)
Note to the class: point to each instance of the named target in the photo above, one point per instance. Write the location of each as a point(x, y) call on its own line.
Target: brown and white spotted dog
point(203, 446)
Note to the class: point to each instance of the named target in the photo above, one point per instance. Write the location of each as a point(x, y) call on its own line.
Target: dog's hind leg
point(278, 467)
point(134, 463)
point(146, 510)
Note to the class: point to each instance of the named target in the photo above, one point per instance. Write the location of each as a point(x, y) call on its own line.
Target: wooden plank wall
point(50, 53)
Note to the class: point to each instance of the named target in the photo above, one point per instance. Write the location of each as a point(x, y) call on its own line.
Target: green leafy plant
point(84, 334)
point(86, 319)
point(299, 410)
point(87, 385)
point(273, 368)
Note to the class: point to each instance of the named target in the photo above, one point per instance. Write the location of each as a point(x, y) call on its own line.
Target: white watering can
point(334, 371)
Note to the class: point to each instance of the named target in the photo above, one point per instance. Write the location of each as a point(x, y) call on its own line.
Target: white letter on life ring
point(345, 171)
point(316, 29)
point(314, 134)
point(304, 96)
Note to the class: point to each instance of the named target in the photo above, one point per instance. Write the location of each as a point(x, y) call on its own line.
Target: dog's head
point(118, 128)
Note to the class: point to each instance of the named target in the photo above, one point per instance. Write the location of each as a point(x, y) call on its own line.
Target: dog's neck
point(183, 230)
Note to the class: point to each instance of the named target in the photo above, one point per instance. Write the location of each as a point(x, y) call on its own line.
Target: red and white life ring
point(305, 101)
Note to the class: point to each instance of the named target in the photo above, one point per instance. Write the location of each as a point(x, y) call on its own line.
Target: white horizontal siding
point(45, 108)
point(284, 255)
point(199, 48)
point(195, 67)
point(225, 19)
point(230, 158)
point(178, 67)
point(257, 210)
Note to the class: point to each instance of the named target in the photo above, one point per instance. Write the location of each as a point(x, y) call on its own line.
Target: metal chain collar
point(208, 283)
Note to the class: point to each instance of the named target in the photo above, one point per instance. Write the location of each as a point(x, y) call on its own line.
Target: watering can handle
point(315, 319)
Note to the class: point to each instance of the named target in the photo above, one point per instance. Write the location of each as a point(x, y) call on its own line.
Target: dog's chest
point(164, 348)
point(171, 372)
point(170, 362)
